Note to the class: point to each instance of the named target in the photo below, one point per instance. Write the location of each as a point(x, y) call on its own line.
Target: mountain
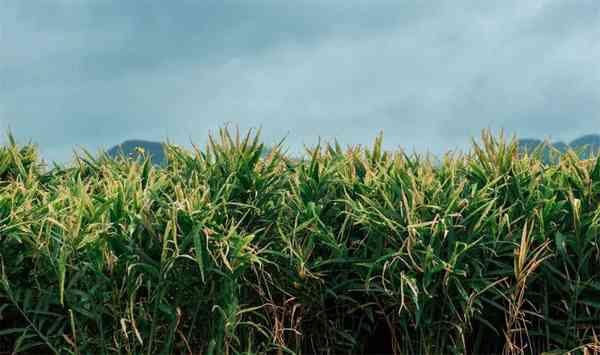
point(588, 146)
point(130, 148)
point(529, 144)
point(154, 149)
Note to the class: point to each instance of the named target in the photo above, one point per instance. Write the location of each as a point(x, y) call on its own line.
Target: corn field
point(347, 251)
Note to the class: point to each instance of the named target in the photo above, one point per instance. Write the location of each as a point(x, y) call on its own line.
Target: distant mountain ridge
point(588, 146)
point(130, 148)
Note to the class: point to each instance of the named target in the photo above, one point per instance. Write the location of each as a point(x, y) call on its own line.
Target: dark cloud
point(429, 74)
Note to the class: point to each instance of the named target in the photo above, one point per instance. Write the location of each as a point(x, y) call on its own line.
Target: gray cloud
point(430, 75)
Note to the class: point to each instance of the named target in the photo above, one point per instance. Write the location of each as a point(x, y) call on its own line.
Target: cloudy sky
point(429, 74)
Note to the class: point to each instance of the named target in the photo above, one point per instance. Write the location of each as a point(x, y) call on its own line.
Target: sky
point(430, 75)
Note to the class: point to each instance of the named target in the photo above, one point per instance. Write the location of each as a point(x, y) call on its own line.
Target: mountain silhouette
point(587, 147)
point(588, 144)
point(130, 148)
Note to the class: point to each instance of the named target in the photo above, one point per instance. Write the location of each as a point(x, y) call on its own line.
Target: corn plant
point(231, 249)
